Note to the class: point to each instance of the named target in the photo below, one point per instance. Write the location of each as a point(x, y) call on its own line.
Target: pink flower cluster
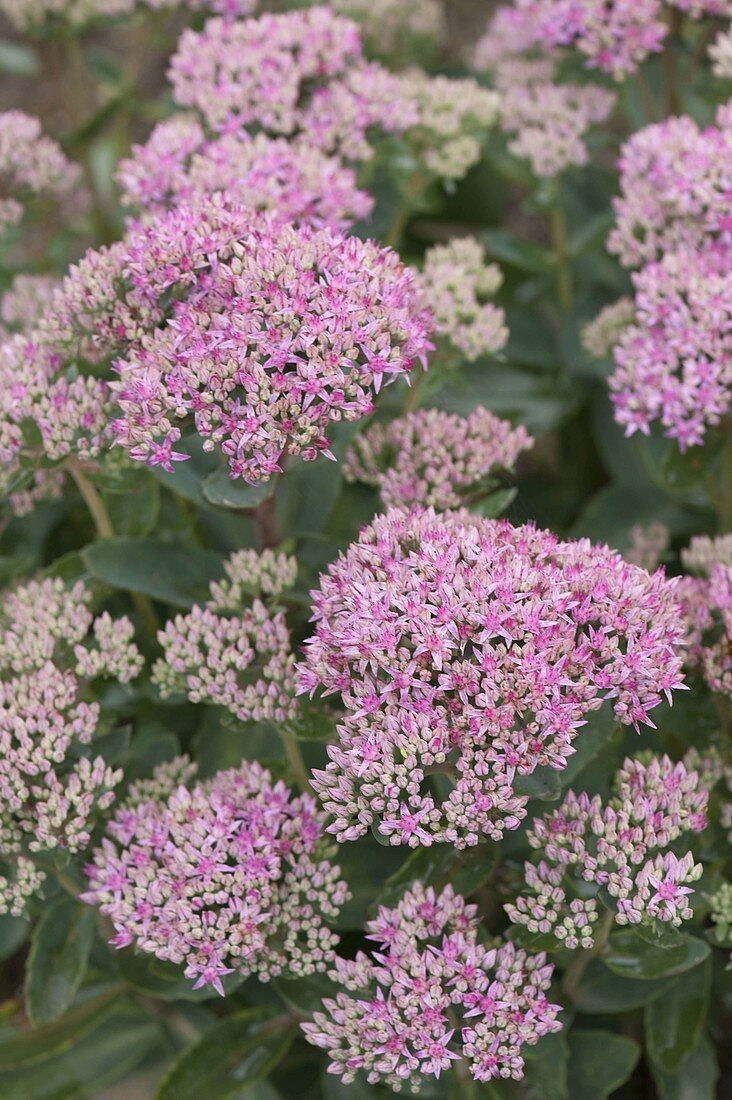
point(545, 118)
point(508, 35)
point(433, 995)
point(280, 331)
point(622, 846)
point(298, 73)
point(234, 651)
point(707, 603)
point(26, 300)
point(674, 189)
point(451, 121)
point(600, 335)
point(475, 650)
point(292, 179)
point(32, 164)
point(225, 876)
point(21, 307)
point(457, 281)
point(43, 407)
point(614, 36)
point(674, 361)
point(435, 458)
point(51, 647)
point(648, 544)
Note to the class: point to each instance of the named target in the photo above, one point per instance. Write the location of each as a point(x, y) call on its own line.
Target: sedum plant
point(365, 550)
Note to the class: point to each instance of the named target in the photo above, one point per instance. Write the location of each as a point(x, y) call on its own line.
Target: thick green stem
point(266, 523)
point(725, 497)
point(91, 498)
point(398, 226)
point(105, 530)
point(650, 109)
point(411, 401)
point(582, 959)
point(671, 104)
point(558, 229)
point(404, 211)
point(294, 759)
point(67, 883)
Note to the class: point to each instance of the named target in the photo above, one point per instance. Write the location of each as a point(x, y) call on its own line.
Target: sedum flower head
point(293, 179)
point(234, 651)
point(25, 302)
point(296, 73)
point(31, 165)
point(648, 544)
point(706, 600)
point(546, 119)
point(704, 552)
point(51, 645)
point(674, 191)
point(508, 35)
point(622, 846)
point(721, 911)
point(452, 119)
point(432, 995)
point(434, 458)
point(477, 650)
point(614, 37)
point(720, 54)
point(457, 281)
point(673, 363)
point(601, 335)
point(287, 331)
point(228, 875)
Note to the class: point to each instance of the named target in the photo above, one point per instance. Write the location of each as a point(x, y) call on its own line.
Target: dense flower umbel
point(703, 553)
point(25, 302)
point(433, 995)
point(545, 119)
point(600, 335)
point(648, 544)
point(674, 188)
point(21, 307)
point(508, 35)
point(282, 333)
point(221, 876)
point(69, 413)
point(720, 53)
point(434, 458)
point(674, 361)
point(476, 649)
point(452, 120)
point(622, 846)
point(614, 36)
point(234, 651)
point(293, 179)
point(707, 603)
point(297, 73)
point(50, 646)
point(457, 282)
point(32, 164)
